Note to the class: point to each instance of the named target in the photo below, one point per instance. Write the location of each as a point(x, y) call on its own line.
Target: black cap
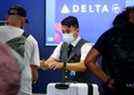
point(17, 10)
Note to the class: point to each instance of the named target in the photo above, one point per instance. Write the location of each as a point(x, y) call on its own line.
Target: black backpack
point(18, 43)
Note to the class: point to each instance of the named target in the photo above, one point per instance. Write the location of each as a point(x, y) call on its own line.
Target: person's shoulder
point(7, 28)
point(86, 43)
point(3, 27)
point(108, 33)
point(89, 44)
point(31, 40)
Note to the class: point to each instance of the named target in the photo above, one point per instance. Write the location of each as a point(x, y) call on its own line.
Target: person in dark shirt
point(117, 50)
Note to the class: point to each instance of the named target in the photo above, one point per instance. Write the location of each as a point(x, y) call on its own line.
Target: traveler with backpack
point(23, 43)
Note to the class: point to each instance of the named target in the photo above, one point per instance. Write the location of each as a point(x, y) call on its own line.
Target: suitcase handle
point(62, 86)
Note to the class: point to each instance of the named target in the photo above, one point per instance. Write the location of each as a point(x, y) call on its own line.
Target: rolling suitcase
point(72, 89)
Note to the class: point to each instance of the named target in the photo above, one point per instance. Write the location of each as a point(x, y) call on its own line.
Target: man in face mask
point(76, 49)
point(70, 34)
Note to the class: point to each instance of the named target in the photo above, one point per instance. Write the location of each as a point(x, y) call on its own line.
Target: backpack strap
point(25, 34)
point(17, 43)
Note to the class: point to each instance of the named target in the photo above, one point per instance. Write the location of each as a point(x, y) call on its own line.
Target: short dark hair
point(70, 21)
point(130, 8)
point(123, 17)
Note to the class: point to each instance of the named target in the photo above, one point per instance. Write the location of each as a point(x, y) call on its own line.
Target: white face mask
point(68, 37)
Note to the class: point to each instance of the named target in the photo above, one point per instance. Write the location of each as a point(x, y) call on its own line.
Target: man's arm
point(94, 68)
point(52, 63)
point(79, 66)
point(32, 52)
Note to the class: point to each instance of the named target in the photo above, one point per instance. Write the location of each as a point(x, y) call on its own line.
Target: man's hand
point(43, 64)
point(110, 83)
point(51, 64)
point(34, 72)
point(55, 65)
